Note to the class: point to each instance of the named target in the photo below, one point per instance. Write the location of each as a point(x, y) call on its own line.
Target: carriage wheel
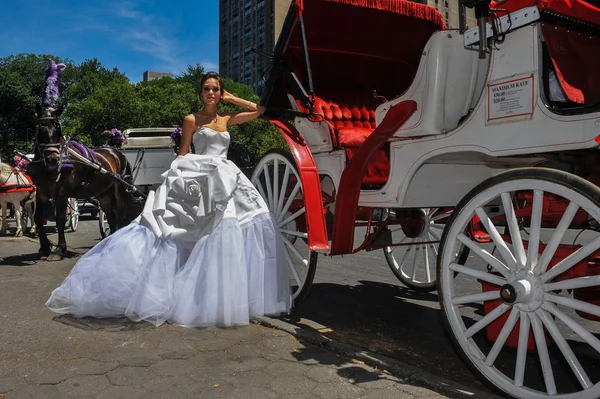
point(103, 224)
point(415, 264)
point(276, 178)
point(73, 214)
point(528, 325)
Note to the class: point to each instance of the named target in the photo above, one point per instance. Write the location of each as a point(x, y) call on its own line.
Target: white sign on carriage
point(510, 100)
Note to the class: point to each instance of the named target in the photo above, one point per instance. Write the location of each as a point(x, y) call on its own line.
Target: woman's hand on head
point(226, 96)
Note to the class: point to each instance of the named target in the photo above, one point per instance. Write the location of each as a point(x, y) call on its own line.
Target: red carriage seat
point(350, 125)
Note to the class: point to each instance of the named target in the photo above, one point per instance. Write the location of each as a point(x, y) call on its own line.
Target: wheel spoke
point(485, 255)
point(268, 183)
point(406, 253)
point(289, 201)
point(294, 233)
point(544, 356)
point(427, 270)
point(535, 228)
point(414, 263)
point(580, 282)
point(393, 248)
point(292, 266)
point(556, 239)
point(572, 260)
point(275, 183)
point(294, 250)
point(293, 216)
point(476, 298)
point(574, 326)
point(441, 216)
point(284, 184)
point(497, 238)
point(572, 303)
point(502, 337)
point(487, 319)
point(565, 349)
point(513, 227)
point(261, 190)
point(481, 275)
point(522, 349)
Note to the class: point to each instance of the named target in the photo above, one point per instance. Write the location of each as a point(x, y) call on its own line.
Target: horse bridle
point(58, 148)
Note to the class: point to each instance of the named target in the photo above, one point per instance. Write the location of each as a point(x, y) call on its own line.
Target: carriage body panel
point(151, 152)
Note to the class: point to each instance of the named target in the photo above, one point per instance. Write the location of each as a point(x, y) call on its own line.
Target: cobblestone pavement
point(44, 356)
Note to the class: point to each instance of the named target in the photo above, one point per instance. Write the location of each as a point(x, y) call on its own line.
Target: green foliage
point(98, 99)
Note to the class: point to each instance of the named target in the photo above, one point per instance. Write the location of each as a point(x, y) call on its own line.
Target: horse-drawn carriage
point(444, 142)
point(150, 151)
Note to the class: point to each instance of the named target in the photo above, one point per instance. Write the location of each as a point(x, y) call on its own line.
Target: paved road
point(356, 299)
point(57, 357)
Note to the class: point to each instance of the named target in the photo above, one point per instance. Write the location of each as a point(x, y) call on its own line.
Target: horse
point(58, 176)
point(16, 188)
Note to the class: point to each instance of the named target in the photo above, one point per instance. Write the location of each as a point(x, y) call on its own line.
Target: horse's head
point(48, 134)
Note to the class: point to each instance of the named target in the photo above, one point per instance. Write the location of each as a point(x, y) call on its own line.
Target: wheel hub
point(524, 290)
point(412, 221)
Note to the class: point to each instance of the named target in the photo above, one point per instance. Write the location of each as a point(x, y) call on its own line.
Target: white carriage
point(440, 144)
point(150, 151)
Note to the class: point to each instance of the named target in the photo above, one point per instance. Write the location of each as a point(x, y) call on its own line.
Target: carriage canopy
point(354, 47)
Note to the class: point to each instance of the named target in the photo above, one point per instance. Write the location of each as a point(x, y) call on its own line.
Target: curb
point(404, 371)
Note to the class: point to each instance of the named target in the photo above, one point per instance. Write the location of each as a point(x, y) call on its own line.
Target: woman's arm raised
point(253, 111)
point(187, 131)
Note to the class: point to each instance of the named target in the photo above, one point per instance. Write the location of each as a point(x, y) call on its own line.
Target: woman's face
point(211, 91)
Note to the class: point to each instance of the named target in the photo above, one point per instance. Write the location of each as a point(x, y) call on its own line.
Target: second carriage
point(444, 142)
point(150, 151)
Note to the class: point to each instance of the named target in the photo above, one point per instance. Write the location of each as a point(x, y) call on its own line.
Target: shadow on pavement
point(20, 260)
point(379, 317)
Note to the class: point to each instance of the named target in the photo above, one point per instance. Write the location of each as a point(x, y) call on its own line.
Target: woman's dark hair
point(211, 75)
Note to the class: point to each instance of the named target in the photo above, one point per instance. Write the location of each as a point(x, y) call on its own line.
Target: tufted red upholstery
point(350, 127)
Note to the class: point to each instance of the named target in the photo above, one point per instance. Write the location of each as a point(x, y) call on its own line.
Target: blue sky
point(134, 36)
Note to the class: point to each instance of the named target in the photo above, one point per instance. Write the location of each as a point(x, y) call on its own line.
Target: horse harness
point(24, 184)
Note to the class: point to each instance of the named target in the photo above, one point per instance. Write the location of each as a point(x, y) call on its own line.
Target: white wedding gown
point(205, 251)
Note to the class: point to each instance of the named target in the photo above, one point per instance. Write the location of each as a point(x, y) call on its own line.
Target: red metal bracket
point(350, 182)
point(311, 186)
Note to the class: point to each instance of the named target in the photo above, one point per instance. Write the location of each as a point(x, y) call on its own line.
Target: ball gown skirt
point(204, 252)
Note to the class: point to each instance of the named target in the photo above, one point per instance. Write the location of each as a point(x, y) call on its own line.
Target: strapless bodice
point(210, 142)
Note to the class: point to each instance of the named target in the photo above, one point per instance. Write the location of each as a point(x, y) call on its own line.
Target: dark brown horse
point(58, 177)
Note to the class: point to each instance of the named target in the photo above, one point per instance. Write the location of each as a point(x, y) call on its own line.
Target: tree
point(98, 99)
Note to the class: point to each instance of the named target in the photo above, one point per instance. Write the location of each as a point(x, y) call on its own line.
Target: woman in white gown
point(205, 251)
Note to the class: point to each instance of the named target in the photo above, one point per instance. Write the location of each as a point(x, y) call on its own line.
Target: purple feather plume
point(54, 72)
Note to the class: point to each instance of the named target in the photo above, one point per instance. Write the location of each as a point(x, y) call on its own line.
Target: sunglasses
point(207, 89)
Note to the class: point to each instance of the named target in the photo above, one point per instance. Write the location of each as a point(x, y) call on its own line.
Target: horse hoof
point(19, 234)
point(44, 252)
point(54, 257)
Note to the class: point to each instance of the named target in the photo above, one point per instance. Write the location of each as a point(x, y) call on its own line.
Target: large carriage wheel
point(525, 316)
point(72, 214)
point(414, 263)
point(276, 178)
point(103, 224)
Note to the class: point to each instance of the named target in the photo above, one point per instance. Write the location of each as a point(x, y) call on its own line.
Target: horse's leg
point(17, 206)
point(60, 251)
point(30, 206)
point(4, 227)
point(107, 204)
point(40, 205)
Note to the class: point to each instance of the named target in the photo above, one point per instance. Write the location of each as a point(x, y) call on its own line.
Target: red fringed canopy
point(357, 46)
